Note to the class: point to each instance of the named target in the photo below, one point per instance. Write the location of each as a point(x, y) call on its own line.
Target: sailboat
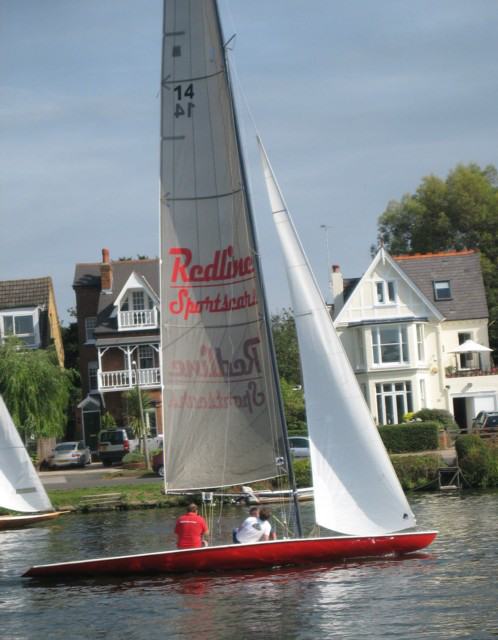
point(223, 416)
point(20, 487)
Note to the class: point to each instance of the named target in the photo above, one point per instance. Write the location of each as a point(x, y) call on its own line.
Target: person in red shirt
point(190, 529)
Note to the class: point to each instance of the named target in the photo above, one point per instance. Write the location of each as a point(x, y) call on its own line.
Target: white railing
point(125, 379)
point(144, 319)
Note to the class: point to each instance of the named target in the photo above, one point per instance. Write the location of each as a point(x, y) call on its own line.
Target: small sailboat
point(223, 416)
point(20, 487)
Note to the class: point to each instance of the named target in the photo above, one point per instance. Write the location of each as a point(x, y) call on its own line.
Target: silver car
point(299, 446)
point(70, 453)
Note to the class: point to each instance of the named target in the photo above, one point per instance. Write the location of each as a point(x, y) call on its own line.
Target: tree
point(458, 213)
point(295, 410)
point(131, 408)
point(35, 389)
point(286, 347)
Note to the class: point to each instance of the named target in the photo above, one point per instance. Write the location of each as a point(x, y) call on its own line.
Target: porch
point(126, 379)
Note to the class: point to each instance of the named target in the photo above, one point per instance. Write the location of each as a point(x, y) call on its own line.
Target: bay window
point(390, 345)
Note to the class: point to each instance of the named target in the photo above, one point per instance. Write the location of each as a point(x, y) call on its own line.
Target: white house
point(399, 324)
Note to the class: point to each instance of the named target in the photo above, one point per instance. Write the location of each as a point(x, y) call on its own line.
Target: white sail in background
point(20, 486)
point(356, 489)
point(221, 419)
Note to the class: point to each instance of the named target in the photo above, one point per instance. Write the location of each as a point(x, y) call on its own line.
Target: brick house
point(401, 321)
point(117, 308)
point(28, 311)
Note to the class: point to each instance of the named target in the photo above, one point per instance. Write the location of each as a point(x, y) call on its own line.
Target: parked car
point(490, 424)
point(70, 453)
point(299, 446)
point(113, 446)
point(478, 421)
point(158, 464)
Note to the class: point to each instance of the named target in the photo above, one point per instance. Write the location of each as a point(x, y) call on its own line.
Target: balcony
point(133, 320)
point(125, 379)
point(451, 372)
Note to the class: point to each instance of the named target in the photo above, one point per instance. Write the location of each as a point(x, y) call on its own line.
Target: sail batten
point(20, 486)
point(221, 420)
point(356, 489)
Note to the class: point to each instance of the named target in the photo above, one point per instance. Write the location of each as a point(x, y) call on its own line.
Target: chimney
point(106, 271)
point(337, 288)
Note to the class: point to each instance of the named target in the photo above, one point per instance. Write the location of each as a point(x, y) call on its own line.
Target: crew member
point(256, 528)
point(190, 529)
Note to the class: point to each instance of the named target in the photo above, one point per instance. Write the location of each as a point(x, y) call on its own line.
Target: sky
point(355, 102)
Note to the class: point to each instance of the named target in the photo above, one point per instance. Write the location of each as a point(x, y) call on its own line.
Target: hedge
point(410, 436)
point(478, 461)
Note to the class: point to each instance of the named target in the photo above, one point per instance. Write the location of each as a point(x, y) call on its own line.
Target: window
point(364, 390)
point(385, 292)
point(423, 400)
point(390, 345)
point(90, 324)
point(466, 359)
point(138, 300)
point(93, 372)
point(420, 342)
point(145, 357)
point(22, 326)
point(360, 350)
point(151, 422)
point(442, 290)
point(394, 399)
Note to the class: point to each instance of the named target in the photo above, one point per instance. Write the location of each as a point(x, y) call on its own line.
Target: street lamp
point(142, 421)
point(326, 228)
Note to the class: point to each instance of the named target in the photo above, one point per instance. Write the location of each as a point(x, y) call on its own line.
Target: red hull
point(243, 556)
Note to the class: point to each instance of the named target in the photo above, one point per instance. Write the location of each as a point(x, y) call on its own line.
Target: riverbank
point(415, 471)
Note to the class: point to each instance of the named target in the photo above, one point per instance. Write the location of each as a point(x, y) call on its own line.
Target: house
point(401, 322)
point(117, 308)
point(28, 311)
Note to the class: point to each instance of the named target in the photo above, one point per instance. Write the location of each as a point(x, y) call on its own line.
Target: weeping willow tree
point(35, 389)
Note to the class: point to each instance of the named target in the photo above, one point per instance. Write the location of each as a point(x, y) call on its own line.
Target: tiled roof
point(462, 269)
point(31, 292)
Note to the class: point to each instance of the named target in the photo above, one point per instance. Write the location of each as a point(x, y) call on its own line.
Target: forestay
point(219, 400)
point(20, 486)
point(356, 489)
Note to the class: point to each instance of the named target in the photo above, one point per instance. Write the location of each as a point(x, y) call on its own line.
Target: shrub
point(108, 422)
point(438, 415)
point(478, 461)
point(134, 456)
point(411, 436)
point(415, 471)
point(302, 473)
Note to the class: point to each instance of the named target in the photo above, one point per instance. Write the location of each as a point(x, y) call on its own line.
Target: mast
point(267, 323)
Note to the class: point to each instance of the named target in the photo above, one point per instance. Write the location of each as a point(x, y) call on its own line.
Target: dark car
point(158, 464)
point(113, 446)
point(490, 424)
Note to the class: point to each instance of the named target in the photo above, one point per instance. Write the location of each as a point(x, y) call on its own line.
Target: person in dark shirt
point(190, 529)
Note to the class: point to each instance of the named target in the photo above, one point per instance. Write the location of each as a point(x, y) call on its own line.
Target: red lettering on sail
point(224, 266)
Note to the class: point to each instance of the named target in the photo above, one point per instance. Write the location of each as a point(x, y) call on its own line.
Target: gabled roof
point(383, 255)
point(462, 269)
point(135, 281)
point(33, 292)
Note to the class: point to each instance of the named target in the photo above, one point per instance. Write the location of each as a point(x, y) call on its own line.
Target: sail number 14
point(184, 109)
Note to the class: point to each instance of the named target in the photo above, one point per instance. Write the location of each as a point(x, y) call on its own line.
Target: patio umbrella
point(469, 346)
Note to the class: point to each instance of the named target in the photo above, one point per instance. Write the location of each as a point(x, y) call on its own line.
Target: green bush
point(416, 471)
point(134, 456)
point(302, 473)
point(438, 415)
point(410, 436)
point(478, 461)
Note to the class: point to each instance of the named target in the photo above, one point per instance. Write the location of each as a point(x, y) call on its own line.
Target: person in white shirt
point(256, 528)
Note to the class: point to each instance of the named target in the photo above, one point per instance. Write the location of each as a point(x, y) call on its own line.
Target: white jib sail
point(20, 486)
point(356, 489)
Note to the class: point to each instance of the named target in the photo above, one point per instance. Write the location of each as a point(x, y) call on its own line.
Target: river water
point(450, 591)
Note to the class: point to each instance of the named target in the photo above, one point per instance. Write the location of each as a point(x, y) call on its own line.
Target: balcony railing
point(125, 379)
point(144, 319)
point(470, 373)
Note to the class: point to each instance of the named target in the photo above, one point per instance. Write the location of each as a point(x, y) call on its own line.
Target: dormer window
point(22, 324)
point(442, 290)
point(385, 292)
point(137, 305)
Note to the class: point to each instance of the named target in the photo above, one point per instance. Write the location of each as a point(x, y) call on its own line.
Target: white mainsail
point(20, 486)
point(356, 489)
point(221, 418)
